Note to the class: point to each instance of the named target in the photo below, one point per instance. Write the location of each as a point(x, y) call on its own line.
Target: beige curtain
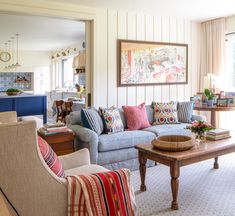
point(212, 58)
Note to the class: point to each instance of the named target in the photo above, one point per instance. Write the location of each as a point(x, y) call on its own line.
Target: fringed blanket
point(101, 194)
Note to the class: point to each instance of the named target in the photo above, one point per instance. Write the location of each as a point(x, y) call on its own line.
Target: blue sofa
point(115, 151)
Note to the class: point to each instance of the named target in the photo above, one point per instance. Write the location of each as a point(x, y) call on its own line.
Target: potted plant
point(13, 91)
point(210, 97)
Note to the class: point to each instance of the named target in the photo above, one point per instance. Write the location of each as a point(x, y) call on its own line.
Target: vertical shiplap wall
point(129, 25)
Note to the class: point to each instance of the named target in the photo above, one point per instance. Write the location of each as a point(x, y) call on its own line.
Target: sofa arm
point(86, 138)
point(75, 159)
point(198, 118)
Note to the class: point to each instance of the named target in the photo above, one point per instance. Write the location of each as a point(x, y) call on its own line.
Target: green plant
point(13, 90)
point(209, 94)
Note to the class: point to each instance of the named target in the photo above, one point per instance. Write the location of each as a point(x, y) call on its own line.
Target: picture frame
point(223, 102)
point(151, 63)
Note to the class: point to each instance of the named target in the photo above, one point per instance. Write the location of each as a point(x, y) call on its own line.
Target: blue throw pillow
point(185, 111)
point(92, 120)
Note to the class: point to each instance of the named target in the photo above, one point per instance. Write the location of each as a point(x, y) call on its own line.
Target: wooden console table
point(213, 111)
point(175, 160)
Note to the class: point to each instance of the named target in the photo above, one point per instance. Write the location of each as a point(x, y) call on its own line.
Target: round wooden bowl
point(173, 142)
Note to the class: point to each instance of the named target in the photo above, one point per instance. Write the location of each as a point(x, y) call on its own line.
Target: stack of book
point(218, 134)
point(49, 129)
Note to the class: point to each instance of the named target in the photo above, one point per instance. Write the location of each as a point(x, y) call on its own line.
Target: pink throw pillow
point(50, 158)
point(136, 117)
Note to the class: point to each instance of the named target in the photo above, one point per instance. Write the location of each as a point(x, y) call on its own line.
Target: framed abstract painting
point(151, 63)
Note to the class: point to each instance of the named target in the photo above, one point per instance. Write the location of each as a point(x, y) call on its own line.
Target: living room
point(202, 35)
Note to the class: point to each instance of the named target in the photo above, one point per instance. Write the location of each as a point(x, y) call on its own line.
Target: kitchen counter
point(25, 104)
point(4, 95)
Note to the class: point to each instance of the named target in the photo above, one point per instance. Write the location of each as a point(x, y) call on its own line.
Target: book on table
point(218, 134)
point(54, 130)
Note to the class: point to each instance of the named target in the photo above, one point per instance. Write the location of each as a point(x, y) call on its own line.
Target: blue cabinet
point(25, 105)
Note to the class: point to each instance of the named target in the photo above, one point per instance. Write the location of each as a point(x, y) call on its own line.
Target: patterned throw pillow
point(50, 158)
point(136, 117)
point(165, 113)
point(92, 120)
point(185, 111)
point(112, 120)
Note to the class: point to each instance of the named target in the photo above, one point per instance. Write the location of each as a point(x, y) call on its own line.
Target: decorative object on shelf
point(223, 102)
point(210, 97)
point(152, 63)
point(11, 53)
point(173, 142)
point(64, 52)
point(79, 62)
point(13, 92)
point(199, 128)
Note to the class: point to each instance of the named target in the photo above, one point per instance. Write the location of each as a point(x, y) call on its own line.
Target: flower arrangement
point(199, 128)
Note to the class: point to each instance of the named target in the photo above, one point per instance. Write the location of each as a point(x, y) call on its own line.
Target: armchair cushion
point(75, 159)
point(50, 158)
point(86, 169)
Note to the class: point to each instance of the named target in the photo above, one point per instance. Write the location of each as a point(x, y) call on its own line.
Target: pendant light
point(17, 51)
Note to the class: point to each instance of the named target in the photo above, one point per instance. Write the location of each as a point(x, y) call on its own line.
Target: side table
point(61, 143)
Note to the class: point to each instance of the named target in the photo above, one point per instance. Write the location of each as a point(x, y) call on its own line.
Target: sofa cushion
point(165, 113)
point(150, 113)
point(112, 120)
point(75, 118)
point(50, 158)
point(136, 117)
point(122, 115)
point(92, 120)
point(165, 129)
point(125, 139)
point(185, 111)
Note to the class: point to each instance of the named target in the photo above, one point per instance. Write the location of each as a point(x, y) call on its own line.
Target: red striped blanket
point(101, 194)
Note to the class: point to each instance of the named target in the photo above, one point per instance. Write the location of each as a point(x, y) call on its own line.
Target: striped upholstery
point(92, 120)
point(50, 158)
point(99, 194)
point(185, 111)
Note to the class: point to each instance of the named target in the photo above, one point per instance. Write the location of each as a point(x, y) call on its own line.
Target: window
point(63, 74)
point(231, 63)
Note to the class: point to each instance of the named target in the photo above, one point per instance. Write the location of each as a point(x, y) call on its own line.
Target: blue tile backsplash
point(19, 80)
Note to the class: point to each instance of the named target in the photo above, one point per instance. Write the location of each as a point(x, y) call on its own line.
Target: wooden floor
point(3, 208)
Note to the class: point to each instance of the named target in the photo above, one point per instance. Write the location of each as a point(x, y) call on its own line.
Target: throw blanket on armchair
point(101, 194)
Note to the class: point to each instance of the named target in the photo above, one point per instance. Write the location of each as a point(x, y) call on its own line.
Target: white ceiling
point(199, 10)
point(41, 33)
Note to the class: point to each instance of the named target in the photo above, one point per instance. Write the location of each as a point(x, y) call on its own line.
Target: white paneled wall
point(129, 25)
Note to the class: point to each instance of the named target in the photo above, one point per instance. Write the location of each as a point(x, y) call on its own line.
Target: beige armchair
point(25, 179)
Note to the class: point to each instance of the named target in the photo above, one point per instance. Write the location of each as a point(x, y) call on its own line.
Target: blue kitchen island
point(25, 104)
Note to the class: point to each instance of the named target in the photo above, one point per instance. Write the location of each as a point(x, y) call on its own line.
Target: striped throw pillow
point(50, 158)
point(185, 111)
point(92, 120)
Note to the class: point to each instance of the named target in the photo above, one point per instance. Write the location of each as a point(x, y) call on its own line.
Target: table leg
point(142, 167)
point(175, 173)
point(216, 165)
point(213, 119)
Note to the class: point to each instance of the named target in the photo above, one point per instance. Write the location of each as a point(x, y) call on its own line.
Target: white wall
point(38, 62)
point(109, 25)
point(128, 25)
point(230, 22)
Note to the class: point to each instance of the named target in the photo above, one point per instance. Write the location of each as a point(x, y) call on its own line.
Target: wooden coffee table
point(175, 160)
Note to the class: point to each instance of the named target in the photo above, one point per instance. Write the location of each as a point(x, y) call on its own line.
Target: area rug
point(203, 191)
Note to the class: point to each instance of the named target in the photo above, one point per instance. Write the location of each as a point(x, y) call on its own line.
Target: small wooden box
point(61, 143)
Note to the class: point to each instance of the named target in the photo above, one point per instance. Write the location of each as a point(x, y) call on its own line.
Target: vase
point(210, 103)
point(200, 137)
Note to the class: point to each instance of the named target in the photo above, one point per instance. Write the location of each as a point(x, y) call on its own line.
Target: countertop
point(4, 95)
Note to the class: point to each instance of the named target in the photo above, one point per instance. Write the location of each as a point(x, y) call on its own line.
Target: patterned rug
point(203, 191)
